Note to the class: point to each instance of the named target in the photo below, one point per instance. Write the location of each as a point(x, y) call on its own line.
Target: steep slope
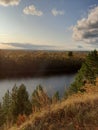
point(78, 112)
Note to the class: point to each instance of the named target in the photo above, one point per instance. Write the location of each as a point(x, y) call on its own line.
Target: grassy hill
point(77, 112)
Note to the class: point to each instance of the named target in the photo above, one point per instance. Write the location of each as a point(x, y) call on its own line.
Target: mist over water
point(50, 84)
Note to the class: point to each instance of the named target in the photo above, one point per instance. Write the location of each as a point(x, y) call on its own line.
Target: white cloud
point(56, 12)
point(86, 29)
point(9, 2)
point(31, 10)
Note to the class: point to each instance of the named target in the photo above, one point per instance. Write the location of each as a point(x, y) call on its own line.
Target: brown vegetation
point(20, 63)
point(78, 112)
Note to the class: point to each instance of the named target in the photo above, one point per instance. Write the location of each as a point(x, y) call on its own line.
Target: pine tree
point(14, 105)
point(90, 69)
point(20, 101)
point(2, 116)
point(87, 73)
point(55, 97)
point(6, 107)
point(39, 98)
point(23, 103)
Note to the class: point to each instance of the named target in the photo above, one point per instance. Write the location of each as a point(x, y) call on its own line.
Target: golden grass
point(78, 112)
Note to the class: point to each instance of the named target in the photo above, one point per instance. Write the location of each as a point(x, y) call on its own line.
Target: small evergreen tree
point(7, 105)
point(14, 106)
point(23, 104)
point(55, 97)
point(15, 103)
point(39, 98)
point(2, 116)
point(90, 68)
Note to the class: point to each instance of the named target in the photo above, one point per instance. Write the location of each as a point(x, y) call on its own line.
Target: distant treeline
point(19, 63)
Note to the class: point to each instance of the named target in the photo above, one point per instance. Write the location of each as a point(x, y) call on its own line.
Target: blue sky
point(54, 24)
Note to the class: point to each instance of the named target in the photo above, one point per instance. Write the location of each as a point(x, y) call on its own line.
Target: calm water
point(50, 84)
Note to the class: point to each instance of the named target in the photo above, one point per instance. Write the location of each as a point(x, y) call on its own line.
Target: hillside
point(78, 112)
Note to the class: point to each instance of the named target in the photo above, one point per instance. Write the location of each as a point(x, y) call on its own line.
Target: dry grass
point(78, 112)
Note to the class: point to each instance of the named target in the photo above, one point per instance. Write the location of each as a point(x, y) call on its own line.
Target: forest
point(20, 63)
point(17, 107)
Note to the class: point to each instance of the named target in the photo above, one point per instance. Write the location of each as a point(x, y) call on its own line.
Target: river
point(50, 84)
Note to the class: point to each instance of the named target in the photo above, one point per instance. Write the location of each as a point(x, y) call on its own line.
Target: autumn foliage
point(21, 119)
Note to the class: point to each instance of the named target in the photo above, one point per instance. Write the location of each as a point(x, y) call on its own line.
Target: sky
point(49, 24)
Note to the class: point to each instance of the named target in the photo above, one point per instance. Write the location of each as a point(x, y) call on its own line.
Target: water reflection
point(50, 84)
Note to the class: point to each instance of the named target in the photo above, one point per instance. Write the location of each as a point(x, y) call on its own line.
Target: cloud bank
point(9, 2)
point(86, 29)
point(56, 12)
point(32, 10)
point(30, 46)
point(27, 46)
